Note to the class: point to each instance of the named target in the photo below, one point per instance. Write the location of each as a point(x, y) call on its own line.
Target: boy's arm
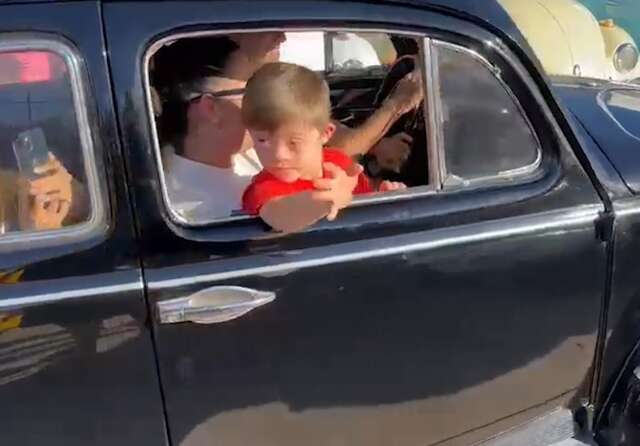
point(296, 212)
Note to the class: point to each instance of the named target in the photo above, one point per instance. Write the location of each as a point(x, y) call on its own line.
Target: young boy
point(286, 109)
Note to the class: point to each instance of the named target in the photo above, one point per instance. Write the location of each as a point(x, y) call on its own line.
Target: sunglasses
point(219, 94)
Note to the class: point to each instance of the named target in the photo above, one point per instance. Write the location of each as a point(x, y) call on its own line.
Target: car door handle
point(213, 305)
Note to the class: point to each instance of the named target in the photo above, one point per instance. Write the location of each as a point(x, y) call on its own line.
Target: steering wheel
point(414, 172)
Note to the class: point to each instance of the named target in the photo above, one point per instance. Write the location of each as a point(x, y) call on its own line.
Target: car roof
point(487, 11)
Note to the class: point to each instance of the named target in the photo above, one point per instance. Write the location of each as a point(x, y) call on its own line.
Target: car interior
point(357, 88)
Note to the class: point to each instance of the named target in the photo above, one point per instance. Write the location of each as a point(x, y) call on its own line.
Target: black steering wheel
point(414, 172)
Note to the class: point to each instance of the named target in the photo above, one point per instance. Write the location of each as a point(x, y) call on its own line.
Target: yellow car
point(569, 40)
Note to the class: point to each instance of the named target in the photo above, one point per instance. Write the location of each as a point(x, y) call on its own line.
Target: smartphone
point(31, 150)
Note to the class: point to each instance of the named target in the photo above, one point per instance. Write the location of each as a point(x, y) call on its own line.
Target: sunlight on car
point(578, 38)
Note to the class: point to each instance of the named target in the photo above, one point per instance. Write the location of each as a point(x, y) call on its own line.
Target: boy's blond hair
point(280, 93)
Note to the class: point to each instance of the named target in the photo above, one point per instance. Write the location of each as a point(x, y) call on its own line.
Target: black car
point(494, 301)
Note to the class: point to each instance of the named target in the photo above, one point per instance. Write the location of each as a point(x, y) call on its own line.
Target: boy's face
point(293, 151)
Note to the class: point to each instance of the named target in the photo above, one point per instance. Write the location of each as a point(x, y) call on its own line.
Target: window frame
point(98, 220)
point(331, 72)
point(506, 176)
point(432, 106)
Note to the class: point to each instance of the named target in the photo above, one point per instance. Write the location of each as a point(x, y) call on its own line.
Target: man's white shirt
point(200, 193)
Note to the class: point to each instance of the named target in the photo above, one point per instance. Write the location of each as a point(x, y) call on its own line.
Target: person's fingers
point(333, 213)
point(51, 206)
point(64, 208)
point(51, 183)
point(324, 183)
point(40, 200)
point(331, 170)
point(322, 195)
point(58, 177)
point(404, 137)
point(354, 170)
point(53, 195)
point(51, 165)
point(405, 154)
point(43, 188)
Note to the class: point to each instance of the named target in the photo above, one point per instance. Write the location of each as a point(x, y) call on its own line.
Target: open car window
point(340, 53)
point(361, 69)
point(470, 128)
point(485, 131)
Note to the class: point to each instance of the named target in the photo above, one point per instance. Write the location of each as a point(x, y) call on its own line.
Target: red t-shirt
point(265, 186)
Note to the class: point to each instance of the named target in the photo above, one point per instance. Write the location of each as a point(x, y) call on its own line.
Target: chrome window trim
point(555, 221)
point(433, 116)
point(22, 294)
point(500, 176)
point(155, 46)
point(97, 222)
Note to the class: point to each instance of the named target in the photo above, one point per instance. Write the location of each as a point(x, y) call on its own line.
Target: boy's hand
point(337, 188)
point(389, 186)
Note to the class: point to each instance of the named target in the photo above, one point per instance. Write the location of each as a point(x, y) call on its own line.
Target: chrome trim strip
point(603, 105)
point(627, 206)
point(549, 429)
point(360, 250)
point(97, 221)
point(433, 116)
point(129, 281)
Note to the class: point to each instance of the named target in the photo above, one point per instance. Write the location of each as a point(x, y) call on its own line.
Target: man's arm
point(359, 140)
point(405, 97)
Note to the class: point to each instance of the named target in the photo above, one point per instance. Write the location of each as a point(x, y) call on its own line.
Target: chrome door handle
point(213, 305)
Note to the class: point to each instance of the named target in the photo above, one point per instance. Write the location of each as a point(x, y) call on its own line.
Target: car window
point(44, 166)
point(363, 52)
point(306, 48)
point(485, 132)
point(340, 53)
point(205, 169)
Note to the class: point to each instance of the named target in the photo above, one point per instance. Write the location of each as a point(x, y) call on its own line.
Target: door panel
point(410, 322)
point(410, 344)
point(76, 360)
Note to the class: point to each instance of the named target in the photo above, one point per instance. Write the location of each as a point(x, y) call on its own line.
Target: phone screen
point(30, 149)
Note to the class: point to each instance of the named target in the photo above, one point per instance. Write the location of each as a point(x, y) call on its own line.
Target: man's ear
point(207, 109)
point(203, 110)
point(328, 132)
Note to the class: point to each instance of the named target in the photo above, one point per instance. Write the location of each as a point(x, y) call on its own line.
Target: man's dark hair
point(180, 70)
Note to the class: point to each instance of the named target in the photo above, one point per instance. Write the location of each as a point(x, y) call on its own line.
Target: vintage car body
point(498, 312)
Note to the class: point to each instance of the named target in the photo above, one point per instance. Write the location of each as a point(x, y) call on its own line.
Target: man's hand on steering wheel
point(408, 92)
point(392, 152)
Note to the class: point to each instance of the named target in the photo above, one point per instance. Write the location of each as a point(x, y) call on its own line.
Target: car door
point(444, 317)
point(76, 359)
